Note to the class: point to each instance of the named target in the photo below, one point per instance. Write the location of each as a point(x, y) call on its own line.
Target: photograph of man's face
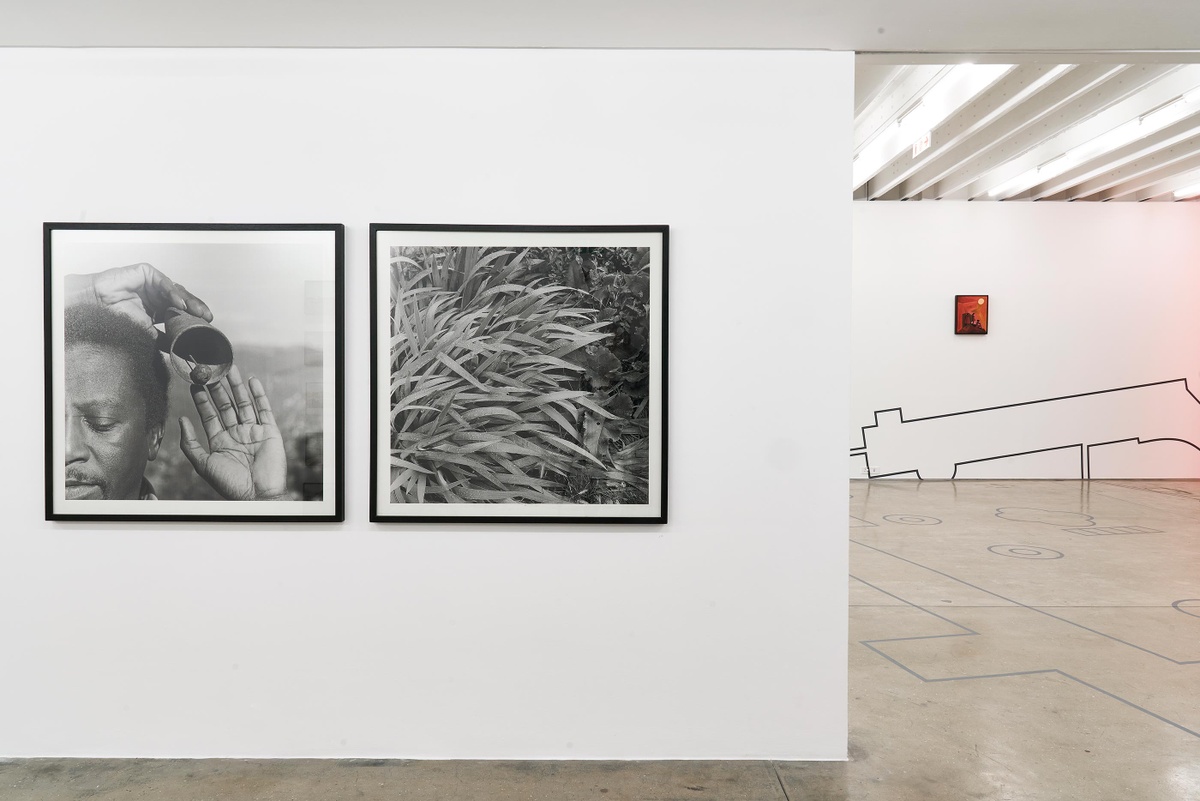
point(116, 404)
point(193, 368)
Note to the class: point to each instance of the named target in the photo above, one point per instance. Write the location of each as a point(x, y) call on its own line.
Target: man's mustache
point(81, 477)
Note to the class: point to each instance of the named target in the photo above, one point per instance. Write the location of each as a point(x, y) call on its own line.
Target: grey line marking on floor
point(1031, 608)
point(912, 520)
point(1153, 486)
point(1058, 518)
point(1130, 703)
point(1120, 499)
point(901, 665)
point(1025, 551)
point(778, 778)
point(1114, 530)
point(914, 606)
point(1047, 671)
point(1051, 517)
point(1178, 605)
point(870, 644)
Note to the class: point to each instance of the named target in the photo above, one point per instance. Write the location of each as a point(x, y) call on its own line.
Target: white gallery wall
point(1090, 367)
point(721, 634)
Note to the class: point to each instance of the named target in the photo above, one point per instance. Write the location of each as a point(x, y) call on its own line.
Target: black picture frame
point(276, 296)
point(519, 373)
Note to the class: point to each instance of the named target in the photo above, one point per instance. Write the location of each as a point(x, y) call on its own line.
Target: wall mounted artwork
point(970, 314)
point(196, 366)
point(519, 374)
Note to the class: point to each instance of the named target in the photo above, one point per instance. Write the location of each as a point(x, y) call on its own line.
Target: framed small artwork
point(194, 372)
point(970, 314)
point(519, 374)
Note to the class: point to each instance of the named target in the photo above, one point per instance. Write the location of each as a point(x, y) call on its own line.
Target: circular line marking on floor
point(1026, 552)
point(912, 520)
point(1189, 606)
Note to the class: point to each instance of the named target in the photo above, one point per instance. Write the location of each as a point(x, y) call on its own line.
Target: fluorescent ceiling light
point(1187, 192)
point(956, 88)
point(1124, 134)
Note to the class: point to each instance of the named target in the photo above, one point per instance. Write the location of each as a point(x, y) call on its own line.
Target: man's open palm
point(245, 459)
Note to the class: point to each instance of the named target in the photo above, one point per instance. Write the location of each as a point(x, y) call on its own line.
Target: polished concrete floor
point(1009, 640)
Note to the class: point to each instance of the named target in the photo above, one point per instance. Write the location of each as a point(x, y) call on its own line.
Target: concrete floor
point(1010, 640)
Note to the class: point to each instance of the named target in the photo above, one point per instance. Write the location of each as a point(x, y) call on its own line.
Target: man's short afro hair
point(90, 324)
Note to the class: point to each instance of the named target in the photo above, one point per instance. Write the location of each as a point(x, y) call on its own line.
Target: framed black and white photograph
point(519, 373)
point(194, 372)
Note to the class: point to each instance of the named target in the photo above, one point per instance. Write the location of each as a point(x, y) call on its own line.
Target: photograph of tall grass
point(520, 374)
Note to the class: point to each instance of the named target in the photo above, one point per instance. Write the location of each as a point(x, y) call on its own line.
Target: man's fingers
point(160, 293)
point(142, 285)
point(265, 416)
point(182, 299)
point(135, 310)
point(208, 412)
point(152, 288)
point(224, 404)
point(246, 413)
point(191, 446)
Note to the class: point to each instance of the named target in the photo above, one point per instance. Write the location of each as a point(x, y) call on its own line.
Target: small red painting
point(970, 314)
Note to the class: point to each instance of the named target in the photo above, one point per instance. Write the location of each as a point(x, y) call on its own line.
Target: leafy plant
point(617, 281)
point(498, 384)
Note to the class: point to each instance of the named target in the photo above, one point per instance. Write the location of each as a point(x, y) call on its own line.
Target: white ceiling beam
point(1125, 97)
point(977, 111)
point(1167, 189)
point(902, 92)
point(1178, 134)
point(1183, 186)
point(1005, 94)
point(1091, 98)
point(938, 102)
point(870, 81)
point(1114, 57)
point(965, 160)
point(1165, 178)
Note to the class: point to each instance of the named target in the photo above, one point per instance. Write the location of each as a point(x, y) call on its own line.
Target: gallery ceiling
point(1027, 131)
point(851, 25)
point(1022, 128)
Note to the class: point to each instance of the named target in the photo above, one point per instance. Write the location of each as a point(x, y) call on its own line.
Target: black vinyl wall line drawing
point(938, 445)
